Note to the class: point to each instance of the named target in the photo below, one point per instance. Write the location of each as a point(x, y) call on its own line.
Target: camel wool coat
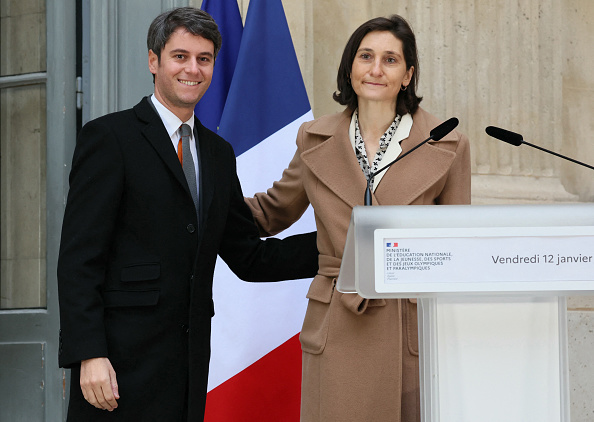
point(360, 356)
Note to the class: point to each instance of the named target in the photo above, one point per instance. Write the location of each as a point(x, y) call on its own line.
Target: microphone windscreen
point(443, 129)
point(505, 135)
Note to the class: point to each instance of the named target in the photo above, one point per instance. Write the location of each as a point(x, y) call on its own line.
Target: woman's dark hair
point(407, 101)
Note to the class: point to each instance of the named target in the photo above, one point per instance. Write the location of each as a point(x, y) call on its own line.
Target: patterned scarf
point(383, 146)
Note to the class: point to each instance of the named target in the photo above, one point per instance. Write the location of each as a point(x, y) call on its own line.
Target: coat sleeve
point(286, 201)
point(96, 186)
point(457, 187)
point(254, 259)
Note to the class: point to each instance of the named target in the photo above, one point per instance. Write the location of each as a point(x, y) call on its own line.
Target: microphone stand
point(367, 199)
point(516, 140)
point(435, 134)
point(558, 155)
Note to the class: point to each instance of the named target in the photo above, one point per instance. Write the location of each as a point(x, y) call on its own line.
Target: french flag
point(210, 107)
point(255, 368)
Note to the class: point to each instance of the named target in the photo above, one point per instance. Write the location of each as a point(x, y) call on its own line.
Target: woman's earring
point(403, 88)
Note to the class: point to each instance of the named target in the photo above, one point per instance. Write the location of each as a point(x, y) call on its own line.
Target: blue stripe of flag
point(226, 14)
point(267, 92)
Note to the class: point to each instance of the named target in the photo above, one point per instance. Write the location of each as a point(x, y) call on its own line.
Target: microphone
point(516, 139)
point(435, 134)
point(443, 129)
point(505, 135)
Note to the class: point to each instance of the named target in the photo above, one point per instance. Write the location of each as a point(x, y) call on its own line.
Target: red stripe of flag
point(269, 390)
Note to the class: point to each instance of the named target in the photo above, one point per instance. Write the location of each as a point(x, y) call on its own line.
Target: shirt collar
point(170, 120)
point(394, 149)
point(401, 133)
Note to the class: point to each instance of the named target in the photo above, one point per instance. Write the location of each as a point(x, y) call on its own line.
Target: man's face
point(184, 72)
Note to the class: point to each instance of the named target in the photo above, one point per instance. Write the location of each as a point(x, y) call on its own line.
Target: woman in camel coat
point(360, 356)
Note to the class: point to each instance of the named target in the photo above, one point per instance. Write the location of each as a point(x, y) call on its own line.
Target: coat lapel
point(207, 172)
point(333, 161)
point(157, 136)
point(407, 179)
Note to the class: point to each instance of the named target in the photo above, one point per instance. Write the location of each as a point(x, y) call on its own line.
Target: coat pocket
point(314, 332)
point(130, 298)
point(141, 272)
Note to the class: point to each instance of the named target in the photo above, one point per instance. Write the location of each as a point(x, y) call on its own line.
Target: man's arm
point(253, 259)
point(96, 184)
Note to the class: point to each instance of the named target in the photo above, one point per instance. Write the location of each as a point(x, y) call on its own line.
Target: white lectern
point(491, 283)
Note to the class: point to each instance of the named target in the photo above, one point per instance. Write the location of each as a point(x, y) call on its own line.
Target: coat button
point(191, 228)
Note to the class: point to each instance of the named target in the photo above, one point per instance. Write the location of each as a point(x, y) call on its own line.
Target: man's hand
point(98, 383)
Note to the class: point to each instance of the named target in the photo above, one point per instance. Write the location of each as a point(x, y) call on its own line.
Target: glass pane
point(22, 37)
point(23, 160)
point(23, 197)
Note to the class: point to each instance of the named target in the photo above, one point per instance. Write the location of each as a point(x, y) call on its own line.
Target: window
point(23, 154)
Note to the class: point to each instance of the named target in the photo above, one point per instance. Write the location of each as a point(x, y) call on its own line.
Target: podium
point(491, 283)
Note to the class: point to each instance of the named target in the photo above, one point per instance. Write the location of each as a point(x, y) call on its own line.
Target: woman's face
point(379, 69)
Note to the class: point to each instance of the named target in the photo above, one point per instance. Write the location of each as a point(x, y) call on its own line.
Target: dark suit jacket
point(136, 263)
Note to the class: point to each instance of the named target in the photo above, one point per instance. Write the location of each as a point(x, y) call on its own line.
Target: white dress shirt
point(172, 124)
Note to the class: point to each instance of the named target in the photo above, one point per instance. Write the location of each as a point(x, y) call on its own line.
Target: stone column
point(578, 142)
point(578, 97)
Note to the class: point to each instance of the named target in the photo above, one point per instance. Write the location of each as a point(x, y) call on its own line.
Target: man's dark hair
point(195, 21)
point(407, 101)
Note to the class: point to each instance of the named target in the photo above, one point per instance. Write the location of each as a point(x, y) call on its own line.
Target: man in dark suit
point(141, 236)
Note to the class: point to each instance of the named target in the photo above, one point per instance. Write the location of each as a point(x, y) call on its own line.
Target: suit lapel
point(157, 136)
point(207, 172)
